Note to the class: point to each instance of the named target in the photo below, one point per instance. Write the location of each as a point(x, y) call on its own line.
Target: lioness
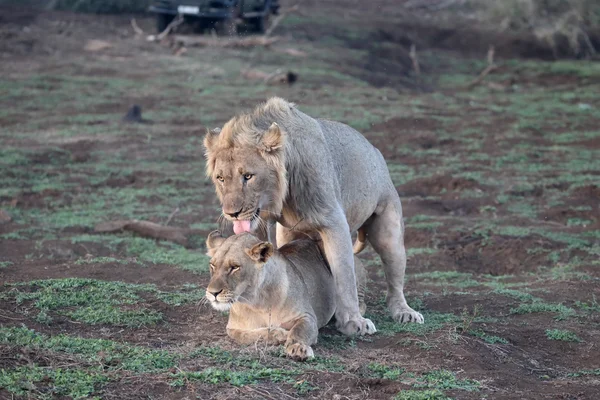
point(279, 296)
point(314, 178)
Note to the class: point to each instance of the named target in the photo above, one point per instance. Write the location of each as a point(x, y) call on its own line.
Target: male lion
point(280, 296)
point(315, 178)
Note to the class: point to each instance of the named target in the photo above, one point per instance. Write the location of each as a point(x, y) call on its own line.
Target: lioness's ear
point(210, 138)
point(273, 138)
point(213, 242)
point(260, 252)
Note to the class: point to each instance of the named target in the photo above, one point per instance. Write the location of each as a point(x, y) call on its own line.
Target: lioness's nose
point(215, 293)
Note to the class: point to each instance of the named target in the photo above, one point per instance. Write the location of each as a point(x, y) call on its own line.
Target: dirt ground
point(500, 184)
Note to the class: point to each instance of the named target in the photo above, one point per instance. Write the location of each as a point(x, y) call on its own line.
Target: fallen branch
point(136, 28)
point(490, 67)
point(198, 41)
point(182, 236)
point(280, 18)
point(172, 25)
point(414, 59)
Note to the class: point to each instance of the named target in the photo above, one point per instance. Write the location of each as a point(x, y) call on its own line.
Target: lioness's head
point(235, 268)
point(246, 162)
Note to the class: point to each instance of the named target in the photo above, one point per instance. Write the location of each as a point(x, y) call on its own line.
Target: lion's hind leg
point(385, 232)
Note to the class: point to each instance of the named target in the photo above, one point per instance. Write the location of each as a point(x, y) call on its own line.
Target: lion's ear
point(213, 242)
point(273, 138)
point(210, 138)
point(260, 252)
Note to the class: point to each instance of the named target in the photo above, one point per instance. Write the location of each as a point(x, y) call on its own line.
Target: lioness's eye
point(248, 176)
point(234, 268)
point(220, 178)
point(212, 267)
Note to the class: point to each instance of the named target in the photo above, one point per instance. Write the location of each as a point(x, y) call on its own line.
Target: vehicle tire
point(230, 27)
point(261, 24)
point(162, 21)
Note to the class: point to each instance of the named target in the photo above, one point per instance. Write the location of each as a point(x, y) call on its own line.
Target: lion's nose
point(215, 293)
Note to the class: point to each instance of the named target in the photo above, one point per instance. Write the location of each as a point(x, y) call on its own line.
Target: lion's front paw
point(407, 315)
point(277, 336)
point(299, 351)
point(356, 326)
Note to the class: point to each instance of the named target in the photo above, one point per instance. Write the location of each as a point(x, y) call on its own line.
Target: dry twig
point(174, 24)
point(280, 18)
point(180, 236)
point(191, 41)
point(490, 67)
point(136, 28)
point(414, 59)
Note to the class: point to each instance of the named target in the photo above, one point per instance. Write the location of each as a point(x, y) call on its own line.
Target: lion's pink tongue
point(241, 226)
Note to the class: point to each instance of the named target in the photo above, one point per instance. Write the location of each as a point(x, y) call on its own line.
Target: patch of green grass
point(434, 322)
point(454, 278)
point(236, 378)
point(445, 380)
point(591, 307)
point(35, 380)
point(98, 302)
point(585, 372)
point(515, 294)
point(384, 371)
point(304, 387)
point(4, 264)
point(541, 306)
point(420, 250)
point(421, 395)
point(562, 335)
point(106, 353)
point(101, 260)
point(491, 339)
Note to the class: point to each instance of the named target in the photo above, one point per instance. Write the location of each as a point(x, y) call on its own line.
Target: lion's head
point(246, 162)
point(235, 268)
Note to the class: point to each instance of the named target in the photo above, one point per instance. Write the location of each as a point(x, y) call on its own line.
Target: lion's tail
point(361, 241)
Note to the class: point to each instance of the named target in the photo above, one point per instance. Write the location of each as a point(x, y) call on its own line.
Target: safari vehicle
point(223, 15)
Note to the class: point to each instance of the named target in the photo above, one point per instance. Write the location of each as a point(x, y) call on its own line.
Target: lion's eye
point(234, 268)
point(220, 178)
point(212, 267)
point(248, 176)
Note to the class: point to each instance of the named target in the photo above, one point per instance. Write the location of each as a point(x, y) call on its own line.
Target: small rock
point(4, 217)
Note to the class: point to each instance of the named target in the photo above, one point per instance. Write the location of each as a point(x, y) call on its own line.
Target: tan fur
point(279, 296)
point(317, 179)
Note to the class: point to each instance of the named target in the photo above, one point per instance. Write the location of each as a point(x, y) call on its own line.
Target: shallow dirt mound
point(402, 132)
point(497, 255)
point(457, 207)
point(443, 185)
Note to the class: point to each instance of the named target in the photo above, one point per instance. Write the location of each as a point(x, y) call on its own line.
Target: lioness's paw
point(299, 351)
point(359, 326)
point(277, 336)
point(408, 315)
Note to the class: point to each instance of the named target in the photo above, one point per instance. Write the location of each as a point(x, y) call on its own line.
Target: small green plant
point(491, 339)
point(421, 395)
point(304, 387)
point(445, 380)
point(385, 372)
point(562, 335)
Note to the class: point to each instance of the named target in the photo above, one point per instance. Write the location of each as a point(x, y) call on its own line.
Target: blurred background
point(488, 115)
